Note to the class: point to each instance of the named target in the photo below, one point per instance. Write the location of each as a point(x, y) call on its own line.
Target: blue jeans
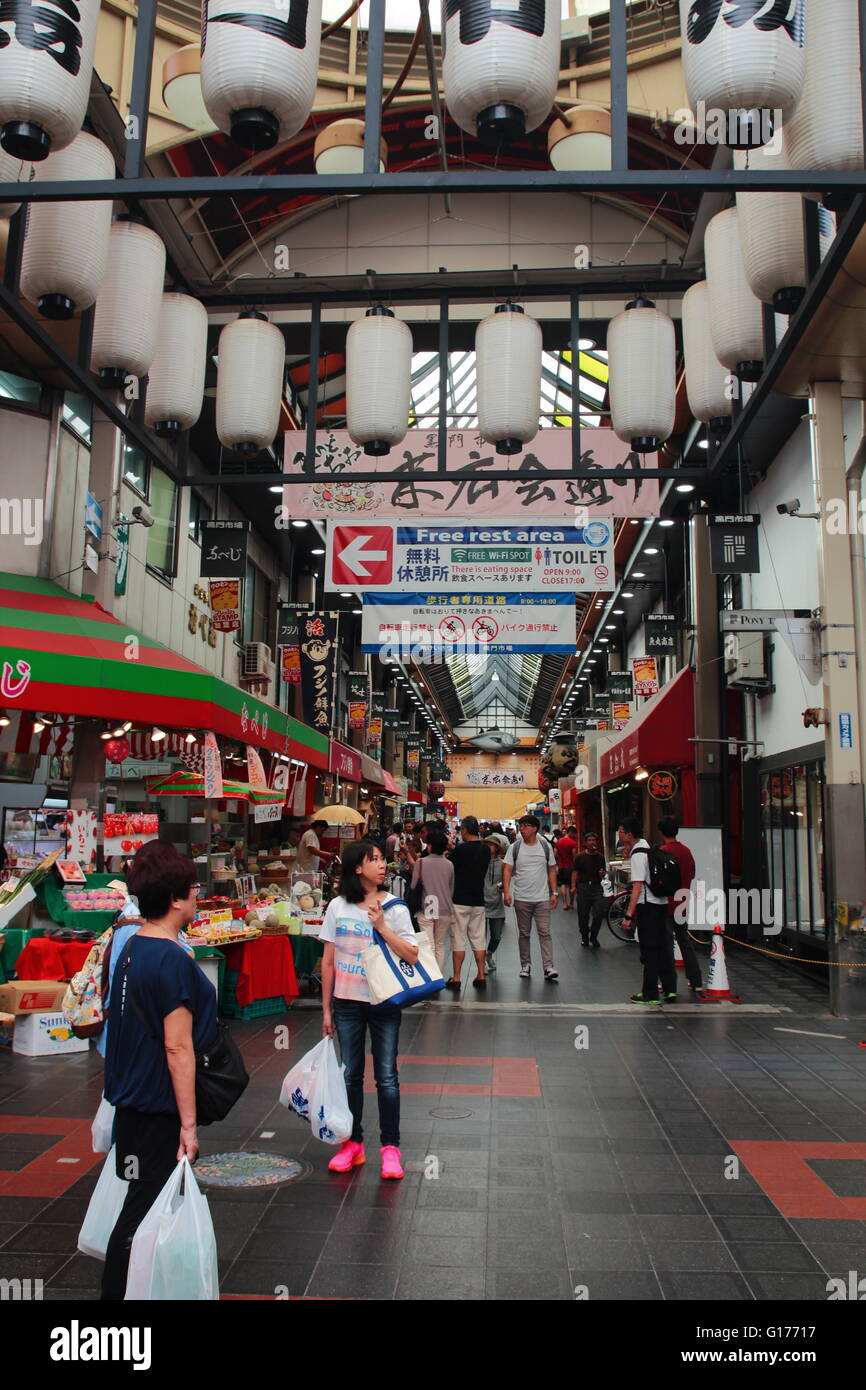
point(352, 1019)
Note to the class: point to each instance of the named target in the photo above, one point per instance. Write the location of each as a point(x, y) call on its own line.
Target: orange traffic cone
point(678, 956)
point(717, 986)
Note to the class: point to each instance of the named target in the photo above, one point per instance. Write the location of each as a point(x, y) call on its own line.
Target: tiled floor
point(708, 1154)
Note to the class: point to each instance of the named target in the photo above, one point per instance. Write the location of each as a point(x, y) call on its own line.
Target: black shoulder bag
point(220, 1075)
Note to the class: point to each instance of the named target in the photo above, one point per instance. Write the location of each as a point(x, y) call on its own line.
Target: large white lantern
point(826, 130)
point(707, 381)
point(641, 350)
point(508, 377)
point(581, 139)
point(126, 319)
point(65, 252)
point(175, 381)
point(744, 65)
point(736, 316)
point(12, 170)
point(45, 66)
point(772, 237)
point(259, 61)
point(339, 148)
point(501, 65)
point(250, 376)
point(378, 372)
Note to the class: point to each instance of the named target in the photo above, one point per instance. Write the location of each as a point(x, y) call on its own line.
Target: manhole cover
point(447, 1113)
point(250, 1170)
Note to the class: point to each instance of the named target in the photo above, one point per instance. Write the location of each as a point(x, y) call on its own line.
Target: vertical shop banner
point(81, 836)
point(620, 685)
point(390, 718)
point(413, 759)
point(734, 545)
point(289, 646)
point(255, 769)
point(225, 604)
point(213, 769)
point(318, 633)
point(660, 634)
point(356, 698)
point(224, 549)
point(377, 720)
point(621, 714)
point(646, 676)
point(121, 569)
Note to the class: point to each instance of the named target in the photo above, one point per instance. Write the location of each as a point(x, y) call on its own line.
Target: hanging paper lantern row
point(772, 236)
point(45, 69)
point(707, 381)
point(65, 254)
point(250, 378)
point(127, 307)
point(501, 65)
point(736, 316)
point(175, 383)
point(378, 374)
point(641, 344)
point(826, 130)
point(508, 348)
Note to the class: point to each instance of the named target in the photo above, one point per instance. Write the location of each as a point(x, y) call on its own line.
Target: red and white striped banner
point(18, 736)
point(143, 749)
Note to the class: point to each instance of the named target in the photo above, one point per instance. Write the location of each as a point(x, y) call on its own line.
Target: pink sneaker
point(392, 1164)
point(351, 1155)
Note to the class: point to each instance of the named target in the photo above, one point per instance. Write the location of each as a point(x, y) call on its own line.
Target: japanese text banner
point(430, 626)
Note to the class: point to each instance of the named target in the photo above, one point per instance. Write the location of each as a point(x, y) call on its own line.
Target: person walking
point(493, 904)
point(669, 830)
point(470, 859)
point(529, 880)
point(650, 913)
point(588, 872)
point(434, 875)
point(347, 929)
point(566, 848)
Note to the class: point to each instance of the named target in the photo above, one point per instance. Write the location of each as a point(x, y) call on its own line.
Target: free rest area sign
point(387, 557)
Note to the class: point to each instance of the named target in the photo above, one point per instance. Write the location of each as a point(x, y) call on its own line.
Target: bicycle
point(614, 914)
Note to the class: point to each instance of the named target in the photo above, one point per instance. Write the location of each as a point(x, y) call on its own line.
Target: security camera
point(142, 513)
point(789, 508)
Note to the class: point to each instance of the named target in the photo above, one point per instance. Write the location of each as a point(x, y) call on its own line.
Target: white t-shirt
point(639, 865)
point(348, 926)
point(530, 882)
point(306, 861)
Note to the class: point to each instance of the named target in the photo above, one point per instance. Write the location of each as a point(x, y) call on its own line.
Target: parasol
point(339, 815)
point(192, 784)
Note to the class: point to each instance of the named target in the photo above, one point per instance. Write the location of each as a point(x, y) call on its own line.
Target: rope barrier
point(778, 955)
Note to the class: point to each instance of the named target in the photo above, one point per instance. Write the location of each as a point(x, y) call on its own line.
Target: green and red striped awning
point(192, 784)
point(66, 655)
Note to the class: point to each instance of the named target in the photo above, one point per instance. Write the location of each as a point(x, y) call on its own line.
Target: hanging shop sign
point(449, 623)
point(121, 567)
point(660, 634)
point(255, 768)
point(601, 706)
point(441, 771)
point(414, 487)
point(376, 724)
point(388, 557)
point(81, 836)
point(262, 814)
point(413, 758)
point(620, 714)
point(391, 718)
point(402, 728)
point(646, 676)
point(93, 517)
point(318, 633)
point(356, 696)
point(289, 646)
point(213, 769)
point(662, 786)
point(346, 762)
point(734, 545)
point(620, 685)
point(493, 777)
point(223, 549)
point(225, 602)
point(126, 832)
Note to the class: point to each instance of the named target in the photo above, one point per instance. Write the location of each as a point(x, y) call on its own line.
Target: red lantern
point(544, 783)
point(117, 750)
point(435, 790)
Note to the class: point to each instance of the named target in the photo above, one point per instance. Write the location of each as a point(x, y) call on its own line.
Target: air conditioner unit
point(746, 661)
point(255, 661)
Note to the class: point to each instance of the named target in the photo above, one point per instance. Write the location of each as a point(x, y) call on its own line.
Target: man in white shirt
point(529, 879)
point(310, 851)
point(650, 913)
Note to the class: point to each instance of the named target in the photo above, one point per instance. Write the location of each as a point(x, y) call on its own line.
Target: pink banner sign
point(255, 768)
point(213, 768)
point(411, 486)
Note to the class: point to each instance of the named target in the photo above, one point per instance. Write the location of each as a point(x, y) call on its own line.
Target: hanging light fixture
point(582, 140)
point(641, 346)
point(736, 316)
point(339, 148)
point(250, 372)
point(45, 67)
point(181, 88)
point(826, 130)
point(772, 237)
point(745, 69)
point(706, 379)
point(65, 254)
point(500, 68)
point(175, 383)
point(157, 736)
point(259, 67)
point(378, 374)
point(12, 170)
point(127, 307)
point(508, 377)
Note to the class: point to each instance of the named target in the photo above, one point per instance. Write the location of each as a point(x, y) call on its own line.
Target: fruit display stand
point(59, 909)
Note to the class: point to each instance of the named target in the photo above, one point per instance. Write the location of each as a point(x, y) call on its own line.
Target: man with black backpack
point(655, 876)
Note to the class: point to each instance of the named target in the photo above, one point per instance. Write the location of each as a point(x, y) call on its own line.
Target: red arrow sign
point(363, 556)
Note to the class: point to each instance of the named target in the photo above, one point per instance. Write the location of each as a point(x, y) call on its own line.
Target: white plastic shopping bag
point(174, 1254)
point(108, 1197)
point(295, 1093)
point(101, 1129)
point(330, 1116)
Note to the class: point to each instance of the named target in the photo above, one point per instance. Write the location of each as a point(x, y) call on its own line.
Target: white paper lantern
point(378, 372)
point(736, 316)
point(12, 170)
point(339, 148)
point(641, 350)
point(826, 130)
point(45, 70)
point(126, 319)
point(508, 377)
point(175, 381)
point(584, 143)
point(772, 236)
point(744, 65)
point(259, 62)
point(501, 65)
point(65, 253)
point(250, 374)
point(707, 381)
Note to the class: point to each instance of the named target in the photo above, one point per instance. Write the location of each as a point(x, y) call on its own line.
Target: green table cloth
point(306, 951)
point(55, 903)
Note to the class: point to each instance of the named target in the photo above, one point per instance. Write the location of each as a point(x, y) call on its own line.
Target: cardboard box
point(45, 1035)
point(31, 996)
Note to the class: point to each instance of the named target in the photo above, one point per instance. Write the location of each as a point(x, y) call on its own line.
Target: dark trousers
point(352, 1019)
point(494, 930)
point(656, 941)
point(590, 909)
point(690, 959)
point(145, 1145)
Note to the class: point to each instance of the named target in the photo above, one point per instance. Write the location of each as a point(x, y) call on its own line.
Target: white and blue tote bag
point(392, 981)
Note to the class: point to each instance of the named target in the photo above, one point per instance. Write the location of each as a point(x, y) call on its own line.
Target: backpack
point(84, 1000)
point(663, 870)
point(548, 849)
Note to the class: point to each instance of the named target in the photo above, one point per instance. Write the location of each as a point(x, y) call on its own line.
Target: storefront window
point(257, 606)
point(135, 467)
point(200, 511)
point(161, 535)
point(792, 830)
point(78, 415)
point(20, 390)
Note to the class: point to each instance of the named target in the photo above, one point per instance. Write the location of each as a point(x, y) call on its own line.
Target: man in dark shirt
point(669, 829)
point(589, 867)
point(470, 859)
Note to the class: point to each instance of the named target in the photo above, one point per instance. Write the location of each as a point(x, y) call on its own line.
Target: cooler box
point(45, 1035)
